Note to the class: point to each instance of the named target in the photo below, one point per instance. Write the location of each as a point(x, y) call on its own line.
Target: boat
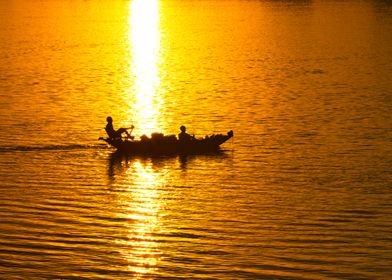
point(159, 144)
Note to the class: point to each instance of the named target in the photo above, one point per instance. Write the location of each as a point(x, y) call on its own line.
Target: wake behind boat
point(158, 143)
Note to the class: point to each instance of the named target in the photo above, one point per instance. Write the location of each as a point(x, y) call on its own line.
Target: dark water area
point(302, 191)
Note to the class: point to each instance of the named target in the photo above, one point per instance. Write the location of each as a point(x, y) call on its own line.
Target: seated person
point(183, 136)
point(115, 133)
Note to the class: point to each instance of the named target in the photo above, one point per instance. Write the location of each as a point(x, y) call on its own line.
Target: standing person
point(112, 133)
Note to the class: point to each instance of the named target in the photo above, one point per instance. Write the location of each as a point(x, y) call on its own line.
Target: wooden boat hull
point(169, 145)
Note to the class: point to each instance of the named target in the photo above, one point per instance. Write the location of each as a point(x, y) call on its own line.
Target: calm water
point(304, 191)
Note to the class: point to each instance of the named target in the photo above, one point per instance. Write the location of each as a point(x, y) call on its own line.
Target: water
point(302, 192)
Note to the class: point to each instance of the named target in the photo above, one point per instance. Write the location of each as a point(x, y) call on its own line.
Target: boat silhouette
point(159, 144)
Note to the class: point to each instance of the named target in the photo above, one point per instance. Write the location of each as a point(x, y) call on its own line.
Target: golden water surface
point(303, 191)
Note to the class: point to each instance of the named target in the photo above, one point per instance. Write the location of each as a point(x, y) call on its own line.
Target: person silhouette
point(183, 135)
point(112, 133)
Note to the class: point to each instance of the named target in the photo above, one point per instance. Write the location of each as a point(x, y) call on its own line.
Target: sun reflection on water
point(140, 205)
point(145, 47)
point(139, 196)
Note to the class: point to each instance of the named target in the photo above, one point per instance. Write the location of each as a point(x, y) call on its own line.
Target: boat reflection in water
point(120, 163)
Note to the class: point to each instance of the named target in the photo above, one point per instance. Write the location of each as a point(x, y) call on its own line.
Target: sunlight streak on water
point(145, 45)
point(141, 206)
